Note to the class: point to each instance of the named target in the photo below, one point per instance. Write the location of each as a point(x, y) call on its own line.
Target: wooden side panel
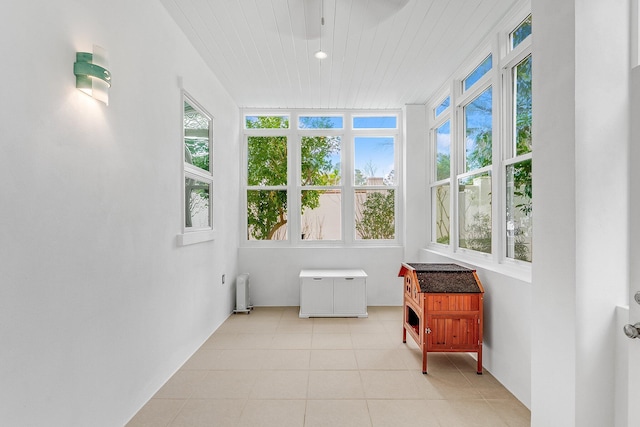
point(452, 302)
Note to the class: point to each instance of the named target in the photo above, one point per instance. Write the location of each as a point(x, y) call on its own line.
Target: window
point(198, 175)
point(493, 205)
point(330, 179)
point(267, 178)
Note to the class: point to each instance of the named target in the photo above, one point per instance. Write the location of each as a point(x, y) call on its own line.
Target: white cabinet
point(333, 293)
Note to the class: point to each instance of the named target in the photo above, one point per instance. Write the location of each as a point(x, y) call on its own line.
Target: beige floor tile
point(331, 341)
point(181, 385)
point(273, 368)
point(248, 359)
point(337, 325)
point(392, 413)
point(445, 384)
point(209, 412)
point(511, 411)
point(332, 413)
point(335, 385)
point(476, 413)
point(273, 413)
point(373, 341)
point(238, 341)
point(157, 412)
point(389, 385)
point(291, 341)
point(225, 385)
point(385, 359)
point(286, 359)
point(344, 359)
point(280, 385)
point(203, 359)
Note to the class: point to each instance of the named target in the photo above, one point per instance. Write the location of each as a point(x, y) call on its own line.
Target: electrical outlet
point(223, 277)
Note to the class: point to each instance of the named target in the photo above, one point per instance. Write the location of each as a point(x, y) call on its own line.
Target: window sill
point(195, 237)
point(516, 271)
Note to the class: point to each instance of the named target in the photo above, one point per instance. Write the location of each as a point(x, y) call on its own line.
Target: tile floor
point(270, 368)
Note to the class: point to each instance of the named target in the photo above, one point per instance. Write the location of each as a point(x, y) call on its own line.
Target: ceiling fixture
point(321, 54)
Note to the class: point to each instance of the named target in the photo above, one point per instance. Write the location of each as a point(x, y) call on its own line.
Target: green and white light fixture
point(92, 76)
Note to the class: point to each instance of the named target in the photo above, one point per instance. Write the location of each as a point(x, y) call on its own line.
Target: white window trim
point(294, 187)
point(502, 58)
point(191, 235)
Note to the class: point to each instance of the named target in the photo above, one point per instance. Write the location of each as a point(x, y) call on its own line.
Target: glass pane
point(522, 32)
point(320, 156)
point(318, 122)
point(440, 198)
point(321, 215)
point(267, 160)
point(474, 212)
point(374, 161)
point(477, 74)
point(196, 137)
point(519, 211)
point(267, 215)
point(443, 151)
point(266, 122)
point(477, 119)
point(443, 106)
point(375, 122)
point(197, 207)
point(375, 214)
point(522, 93)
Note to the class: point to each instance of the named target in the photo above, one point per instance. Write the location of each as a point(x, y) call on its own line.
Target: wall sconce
point(92, 77)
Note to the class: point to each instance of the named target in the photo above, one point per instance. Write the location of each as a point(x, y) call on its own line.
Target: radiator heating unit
point(243, 301)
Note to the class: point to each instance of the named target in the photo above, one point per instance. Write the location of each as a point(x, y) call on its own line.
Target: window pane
point(197, 207)
point(266, 122)
point(374, 161)
point(321, 215)
point(320, 122)
point(196, 137)
point(477, 74)
point(474, 212)
point(443, 151)
point(267, 160)
point(478, 127)
point(440, 198)
point(267, 215)
point(443, 106)
point(522, 93)
point(519, 211)
point(522, 32)
point(375, 214)
point(320, 156)
point(375, 122)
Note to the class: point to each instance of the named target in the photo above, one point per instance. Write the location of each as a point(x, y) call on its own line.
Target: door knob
point(632, 331)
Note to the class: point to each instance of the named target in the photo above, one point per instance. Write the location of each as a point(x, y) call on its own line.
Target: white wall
point(580, 127)
point(506, 351)
point(98, 305)
point(274, 272)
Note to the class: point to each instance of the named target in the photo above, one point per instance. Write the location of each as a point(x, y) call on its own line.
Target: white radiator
point(243, 301)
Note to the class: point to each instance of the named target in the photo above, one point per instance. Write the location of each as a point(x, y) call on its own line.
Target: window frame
point(347, 185)
point(191, 235)
point(504, 58)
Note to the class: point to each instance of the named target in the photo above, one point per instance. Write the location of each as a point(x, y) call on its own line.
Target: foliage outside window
point(198, 176)
point(312, 200)
point(477, 144)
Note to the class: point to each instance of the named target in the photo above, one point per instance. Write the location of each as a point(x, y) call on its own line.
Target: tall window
point(198, 174)
point(328, 178)
point(493, 205)
point(267, 178)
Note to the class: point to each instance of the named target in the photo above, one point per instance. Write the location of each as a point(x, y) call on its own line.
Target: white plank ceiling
point(382, 53)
